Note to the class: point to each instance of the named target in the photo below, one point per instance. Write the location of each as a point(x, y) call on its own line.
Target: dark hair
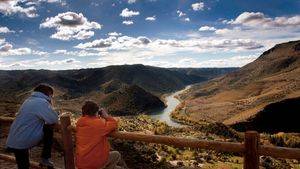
point(44, 88)
point(90, 108)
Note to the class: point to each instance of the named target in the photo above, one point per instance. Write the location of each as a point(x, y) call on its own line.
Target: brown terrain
point(109, 84)
point(243, 95)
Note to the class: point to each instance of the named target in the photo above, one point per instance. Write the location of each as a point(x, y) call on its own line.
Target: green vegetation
point(285, 140)
point(163, 156)
point(144, 155)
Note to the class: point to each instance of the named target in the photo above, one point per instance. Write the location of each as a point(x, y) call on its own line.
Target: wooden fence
point(250, 148)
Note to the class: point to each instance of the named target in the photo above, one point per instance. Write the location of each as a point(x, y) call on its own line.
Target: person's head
point(45, 89)
point(90, 108)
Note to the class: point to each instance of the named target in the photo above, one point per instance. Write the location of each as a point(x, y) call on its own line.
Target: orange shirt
point(92, 146)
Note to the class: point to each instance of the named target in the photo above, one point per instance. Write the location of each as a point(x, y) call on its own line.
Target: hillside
point(243, 94)
point(271, 118)
point(73, 87)
point(131, 100)
point(77, 82)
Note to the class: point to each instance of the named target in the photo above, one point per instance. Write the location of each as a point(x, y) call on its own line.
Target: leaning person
point(33, 124)
point(92, 146)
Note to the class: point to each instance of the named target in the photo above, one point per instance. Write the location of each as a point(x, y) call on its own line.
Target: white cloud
point(211, 44)
point(116, 43)
point(257, 26)
point(42, 63)
point(81, 53)
point(234, 61)
point(130, 50)
point(9, 7)
point(207, 28)
point(128, 22)
point(128, 13)
point(198, 6)
point(100, 43)
point(56, 62)
point(39, 2)
point(50, 1)
point(5, 30)
point(60, 51)
point(187, 19)
point(180, 13)
point(39, 53)
point(132, 1)
point(254, 19)
point(114, 34)
point(7, 49)
point(151, 18)
point(70, 25)
point(2, 41)
point(161, 46)
point(26, 7)
point(182, 16)
point(221, 31)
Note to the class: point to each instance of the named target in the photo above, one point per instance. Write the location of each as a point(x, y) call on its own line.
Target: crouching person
point(33, 124)
point(92, 146)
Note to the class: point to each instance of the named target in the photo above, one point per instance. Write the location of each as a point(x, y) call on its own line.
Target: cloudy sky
point(68, 34)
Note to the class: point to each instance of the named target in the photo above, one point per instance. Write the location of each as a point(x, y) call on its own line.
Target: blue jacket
point(27, 129)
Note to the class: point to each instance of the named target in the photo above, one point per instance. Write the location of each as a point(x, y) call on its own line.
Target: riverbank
point(171, 101)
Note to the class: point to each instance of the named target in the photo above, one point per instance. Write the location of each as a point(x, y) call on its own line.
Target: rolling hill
point(73, 87)
point(131, 100)
point(242, 96)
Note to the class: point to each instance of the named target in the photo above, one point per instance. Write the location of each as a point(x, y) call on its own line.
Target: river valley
point(172, 102)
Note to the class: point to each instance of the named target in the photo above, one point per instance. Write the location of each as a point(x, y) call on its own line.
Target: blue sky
point(63, 34)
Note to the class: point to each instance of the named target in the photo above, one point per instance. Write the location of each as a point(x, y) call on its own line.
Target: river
point(172, 102)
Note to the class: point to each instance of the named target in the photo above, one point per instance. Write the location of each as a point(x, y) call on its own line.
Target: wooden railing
point(250, 148)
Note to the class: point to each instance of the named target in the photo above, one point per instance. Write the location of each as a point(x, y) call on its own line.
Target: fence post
point(1, 130)
point(66, 133)
point(251, 156)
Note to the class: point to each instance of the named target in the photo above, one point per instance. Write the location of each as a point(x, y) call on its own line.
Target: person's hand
point(58, 111)
point(104, 113)
point(117, 119)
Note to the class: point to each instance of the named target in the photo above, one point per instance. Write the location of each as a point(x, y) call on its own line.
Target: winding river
point(164, 115)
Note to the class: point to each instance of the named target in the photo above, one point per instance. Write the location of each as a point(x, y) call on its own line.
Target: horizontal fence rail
point(250, 148)
point(180, 142)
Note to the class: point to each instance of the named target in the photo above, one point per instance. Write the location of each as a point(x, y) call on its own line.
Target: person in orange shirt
point(92, 146)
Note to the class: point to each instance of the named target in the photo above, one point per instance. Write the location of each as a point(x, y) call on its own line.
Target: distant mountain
point(75, 86)
point(205, 73)
point(77, 82)
point(131, 100)
point(244, 94)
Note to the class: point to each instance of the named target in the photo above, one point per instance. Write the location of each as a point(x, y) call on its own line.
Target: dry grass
point(237, 96)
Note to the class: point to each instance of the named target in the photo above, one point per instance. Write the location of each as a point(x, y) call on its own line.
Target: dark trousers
point(22, 155)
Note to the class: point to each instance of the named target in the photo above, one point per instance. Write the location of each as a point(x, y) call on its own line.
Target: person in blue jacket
point(33, 124)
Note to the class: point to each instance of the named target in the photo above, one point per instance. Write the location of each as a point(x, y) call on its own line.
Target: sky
point(68, 34)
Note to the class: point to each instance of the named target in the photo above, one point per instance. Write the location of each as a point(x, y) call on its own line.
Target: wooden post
point(66, 133)
point(251, 156)
point(1, 130)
